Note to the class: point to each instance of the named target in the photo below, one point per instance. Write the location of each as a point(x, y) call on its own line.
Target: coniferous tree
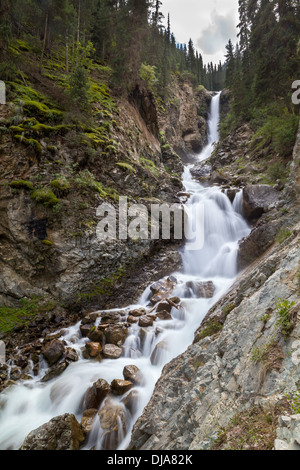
point(230, 64)
point(126, 34)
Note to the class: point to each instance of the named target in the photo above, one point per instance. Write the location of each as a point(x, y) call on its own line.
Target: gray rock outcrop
point(250, 361)
point(288, 433)
point(61, 433)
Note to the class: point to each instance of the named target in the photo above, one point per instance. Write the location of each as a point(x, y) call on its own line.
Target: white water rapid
point(30, 404)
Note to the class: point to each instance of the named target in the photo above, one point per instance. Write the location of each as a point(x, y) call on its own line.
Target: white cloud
point(217, 33)
point(209, 23)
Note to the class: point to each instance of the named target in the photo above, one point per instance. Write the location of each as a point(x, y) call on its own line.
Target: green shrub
point(52, 149)
point(227, 124)
point(284, 134)
point(284, 320)
point(61, 184)
point(278, 129)
point(260, 354)
point(283, 235)
point(79, 87)
point(17, 129)
point(213, 327)
point(150, 166)
point(277, 171)
point(165, 147)
point(147, 73)
point(228, 308)
point(8, 70)
point(45, 196)
point(87, 180)
point(294, 399)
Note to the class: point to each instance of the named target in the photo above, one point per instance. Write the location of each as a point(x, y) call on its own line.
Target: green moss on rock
point(126, 166)
point(43, 129)
point(24, 314)
point(213, 327)
point(47, 243)
point(21, 184)
point(30, 142)
point(45, 196)
point(60, 184)
point(42, 112)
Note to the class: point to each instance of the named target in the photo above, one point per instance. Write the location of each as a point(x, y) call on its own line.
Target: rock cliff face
point(50, 192)
point(183, 120)
point(241, 379)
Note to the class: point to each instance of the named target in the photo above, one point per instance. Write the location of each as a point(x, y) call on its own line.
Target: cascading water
point(30, 404)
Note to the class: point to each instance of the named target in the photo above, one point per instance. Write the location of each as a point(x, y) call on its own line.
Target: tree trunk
point(45, 40)
point(67, 54)
point(78, 31)
point(78, 26)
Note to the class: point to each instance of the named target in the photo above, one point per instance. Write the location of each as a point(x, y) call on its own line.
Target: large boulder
point(111, 351)
point(93, 349)
point(53, 351)
point(111, 317)
point(54, 371)
point(138, 312)
point(131, 401)
point(163, 315)
point(119, 387)
point(257, 243)
point(145, 321)
point(164, 306)
point(96, 394)
point(96, 334)
point(201, 171)
point(202, 290)
point(133, 373)
point(194, 141)
point(112, 418)
point(257, 199)
point(132, 319)
point(162, 289)
point(60, 433)
point(116, 334)
point(85, 329)
point(87, 420)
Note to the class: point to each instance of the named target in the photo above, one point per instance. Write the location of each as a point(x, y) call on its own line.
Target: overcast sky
point(210, 24)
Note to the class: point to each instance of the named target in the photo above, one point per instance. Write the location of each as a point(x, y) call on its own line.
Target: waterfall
point(30, 404)
point(238, 202)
